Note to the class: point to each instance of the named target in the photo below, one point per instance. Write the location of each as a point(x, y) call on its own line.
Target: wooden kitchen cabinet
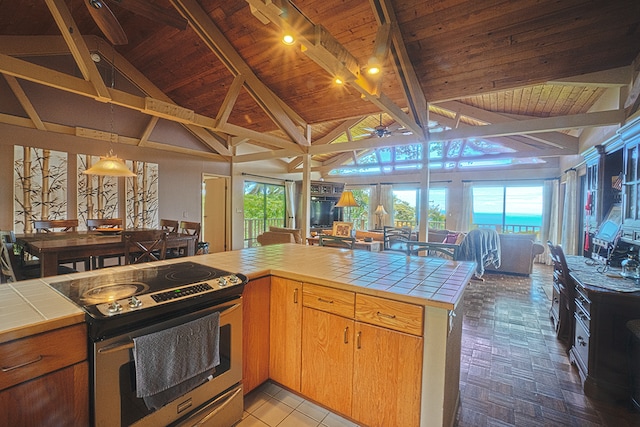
point(45, 379)
point(353, 344)
point(255, 339)
point(391, 363)
point(285, 322)
point(327, 359)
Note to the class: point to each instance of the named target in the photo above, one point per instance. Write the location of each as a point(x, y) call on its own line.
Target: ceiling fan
point(382, 131)
point(111, 28)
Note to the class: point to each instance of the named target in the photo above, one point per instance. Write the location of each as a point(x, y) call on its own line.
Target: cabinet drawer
point(328, 299)
point(581, 342)
point(31, 357)
point(396, 315)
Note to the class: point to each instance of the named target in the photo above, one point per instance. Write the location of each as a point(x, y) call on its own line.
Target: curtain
point(464, 221)
point(386, 200)
point(549, 230)
point(374, 201)
point(290, 197)
point(570, 215)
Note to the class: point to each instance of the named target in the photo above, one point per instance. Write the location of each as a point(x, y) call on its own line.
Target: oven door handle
point(119, 346)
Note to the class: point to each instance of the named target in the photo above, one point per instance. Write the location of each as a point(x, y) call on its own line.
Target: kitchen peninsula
point(423, 295)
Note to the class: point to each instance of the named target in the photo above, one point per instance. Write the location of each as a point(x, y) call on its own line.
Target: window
point(359, 215)
point(437, 208)
point(264, 206)
point(508, 209)
point(405, 213)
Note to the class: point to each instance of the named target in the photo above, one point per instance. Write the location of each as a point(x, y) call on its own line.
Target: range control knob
point(222, 281)
point(134, 302)
point(114, 307)
point(234, 279)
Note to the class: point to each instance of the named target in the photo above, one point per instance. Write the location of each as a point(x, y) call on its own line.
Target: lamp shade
point(346, 200)
point(380, 210)
point(109, 166)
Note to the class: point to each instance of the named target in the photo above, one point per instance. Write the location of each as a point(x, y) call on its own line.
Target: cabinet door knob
point(346, 335)
point(21, 365)
point(581, 341)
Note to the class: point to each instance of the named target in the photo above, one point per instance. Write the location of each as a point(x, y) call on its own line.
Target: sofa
point(277, 235)
point(517, 251)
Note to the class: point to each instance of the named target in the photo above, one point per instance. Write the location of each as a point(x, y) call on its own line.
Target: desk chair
point(144, 245)
point(51, 225)
point(337, 241)
point(95, 223)
point(565, 286)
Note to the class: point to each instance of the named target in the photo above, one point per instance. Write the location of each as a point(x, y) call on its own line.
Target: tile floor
point(513, 371)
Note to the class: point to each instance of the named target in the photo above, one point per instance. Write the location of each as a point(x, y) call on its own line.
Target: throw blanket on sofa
point(481, 246)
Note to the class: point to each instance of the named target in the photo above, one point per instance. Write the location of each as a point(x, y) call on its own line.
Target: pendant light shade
point(109, 166)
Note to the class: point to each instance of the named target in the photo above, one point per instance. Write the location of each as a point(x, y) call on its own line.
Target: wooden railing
point(256, 226)
point(511, 229)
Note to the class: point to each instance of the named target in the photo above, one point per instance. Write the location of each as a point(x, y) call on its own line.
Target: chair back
point(191, 228)
point(337, 241)
point(8, 260)
point(560, 268)
point(48, 225)
point(170, 225)
point(144, 245)
point(94, 223)
point(396, 238)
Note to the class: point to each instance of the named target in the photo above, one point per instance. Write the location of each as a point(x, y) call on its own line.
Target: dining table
point(57, 247)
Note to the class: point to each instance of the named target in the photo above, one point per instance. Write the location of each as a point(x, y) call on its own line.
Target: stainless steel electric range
point(122, 305)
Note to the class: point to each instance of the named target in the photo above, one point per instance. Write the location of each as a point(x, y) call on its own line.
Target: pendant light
point(110, 165)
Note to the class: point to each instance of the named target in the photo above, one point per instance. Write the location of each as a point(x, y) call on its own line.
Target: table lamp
point(380, 212)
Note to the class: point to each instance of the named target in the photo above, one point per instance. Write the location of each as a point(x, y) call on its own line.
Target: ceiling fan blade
point(106, 21)
point(150, 10)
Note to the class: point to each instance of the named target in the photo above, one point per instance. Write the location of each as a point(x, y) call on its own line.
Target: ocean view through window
point(508, 209)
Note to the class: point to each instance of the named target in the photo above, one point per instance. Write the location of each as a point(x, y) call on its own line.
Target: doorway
point(215, 218)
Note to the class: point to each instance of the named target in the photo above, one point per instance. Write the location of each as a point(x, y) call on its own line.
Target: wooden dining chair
point(170, 225)
point(192, 229)
point(49, 225)
point(64, 225)
point(12, 266)
point(337, 241)
point(144, 245)
point(94, 223)
point(103, 223)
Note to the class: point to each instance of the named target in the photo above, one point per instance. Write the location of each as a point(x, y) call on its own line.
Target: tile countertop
point(32, 306)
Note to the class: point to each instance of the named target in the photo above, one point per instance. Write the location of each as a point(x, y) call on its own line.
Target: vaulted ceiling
point(520, 73)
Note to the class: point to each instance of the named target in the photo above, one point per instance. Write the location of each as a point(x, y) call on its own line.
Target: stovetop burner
point(118, 300)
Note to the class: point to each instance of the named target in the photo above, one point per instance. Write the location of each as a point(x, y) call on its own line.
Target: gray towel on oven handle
point(172, 356)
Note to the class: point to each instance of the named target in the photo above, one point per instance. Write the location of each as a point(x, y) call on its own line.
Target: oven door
point(113, 386)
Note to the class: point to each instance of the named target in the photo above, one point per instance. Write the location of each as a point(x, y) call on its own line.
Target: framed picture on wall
point(342, 229)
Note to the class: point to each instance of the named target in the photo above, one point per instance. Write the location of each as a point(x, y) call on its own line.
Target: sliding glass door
point(264, 206)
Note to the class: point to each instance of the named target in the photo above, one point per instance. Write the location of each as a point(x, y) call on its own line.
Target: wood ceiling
point(526, 71)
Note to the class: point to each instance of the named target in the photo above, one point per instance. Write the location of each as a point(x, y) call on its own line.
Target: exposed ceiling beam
point(144, 139)
point(384, 13)
point(600, 118)
point(264, 155)
point(207, 30)
point(615, 77)
point(101, 136)
point(77, 46)
point(328, 53)
point(25, 102)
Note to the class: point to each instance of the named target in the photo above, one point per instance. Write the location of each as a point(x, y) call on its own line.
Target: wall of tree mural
point(40, 186)
point(40, 191)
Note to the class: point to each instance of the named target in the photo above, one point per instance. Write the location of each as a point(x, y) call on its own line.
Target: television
point(323, 212)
